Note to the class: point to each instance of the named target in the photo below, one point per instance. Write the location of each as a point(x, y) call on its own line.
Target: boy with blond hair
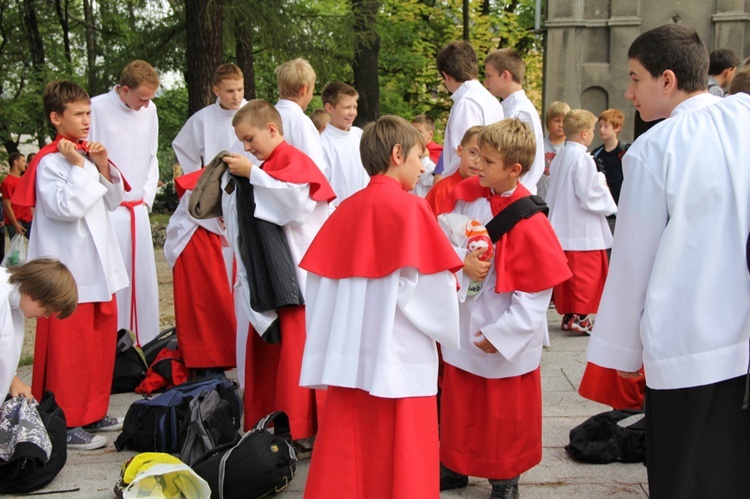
point(341, 139)
point(579, 203)
point(296, 84)
point(320, 119)
point(426, 127)
point(553, 141)
point(501, 326)
point(373, 320)
point(125, 121)
point(73, 187)
point(504, 70)
point(468, 151)
point(287, 195)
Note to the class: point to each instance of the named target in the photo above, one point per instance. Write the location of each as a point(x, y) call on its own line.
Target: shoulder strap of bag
point(514, 213)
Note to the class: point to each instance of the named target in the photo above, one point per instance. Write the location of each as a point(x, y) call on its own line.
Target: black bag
point(25, 473)
point(261, 464)
point(153, 347)
point(155, 425)
point(610, 436)
point(130, 364)
point(208, 424)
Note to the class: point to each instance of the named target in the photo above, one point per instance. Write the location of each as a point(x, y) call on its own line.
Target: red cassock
point(492, 428)
point(581, 293)
point(375, 447)
point(75, 359)
point(273, 371)
point(203, 303)
point(605, 386)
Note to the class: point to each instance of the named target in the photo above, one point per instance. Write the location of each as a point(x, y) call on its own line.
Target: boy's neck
point(577, 140)
point(296, 100)
point(611, 144)
point(556, 141)
point(341, 128)
point(511, 89)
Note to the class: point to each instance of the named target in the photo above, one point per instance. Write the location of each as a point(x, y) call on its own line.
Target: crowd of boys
point(329, 284)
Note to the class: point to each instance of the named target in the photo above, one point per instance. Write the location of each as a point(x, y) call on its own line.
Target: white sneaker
point(80, 439)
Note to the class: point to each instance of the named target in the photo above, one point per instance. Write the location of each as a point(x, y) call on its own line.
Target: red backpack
point(166, 371)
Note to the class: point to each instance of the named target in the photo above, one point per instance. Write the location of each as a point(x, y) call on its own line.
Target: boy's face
point(424, 132)
point(495, 81)
point(20, 163)
point(494, 173)
point(647, 93)
point(555, 128)
point(469, 155)
point(409, 169)
point(607, 131)
point(230, 93)
point(260, 142)
point(343, 113)
point(32, 308)
point(139, 97)
point(74, 122)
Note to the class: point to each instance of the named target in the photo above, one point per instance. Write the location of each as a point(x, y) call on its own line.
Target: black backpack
point(27, 471)
point(153, 347)
point(260, 465)
point(130, 364)
point(155, 425)
point(208, 424)
point(609, 436)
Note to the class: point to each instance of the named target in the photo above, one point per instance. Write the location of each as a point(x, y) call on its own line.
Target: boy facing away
point(468, 151)
point(579, 203)
point(679, 263)
point(290, 192)
point(502, 326)
point(373, 320)
point(74, 188)
point(504, 71)
point(340, 141)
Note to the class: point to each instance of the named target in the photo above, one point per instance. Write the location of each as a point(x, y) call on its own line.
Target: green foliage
point(171, 104)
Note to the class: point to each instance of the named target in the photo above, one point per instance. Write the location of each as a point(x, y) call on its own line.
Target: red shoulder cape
point(187, 182)
point(439, 192)
point(25, 193)
point(289, 164)
point(377, 231)
point(529, 257)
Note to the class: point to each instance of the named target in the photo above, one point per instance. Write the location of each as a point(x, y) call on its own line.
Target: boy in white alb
point(472, 103)
point(504, 70)
point(125, 121)
point(341, 141)
point(296, 82)
point(73, 193)
point(553, 141)
point(676, 300)
point(579, 203)
point(372, 319)
point(209, 131)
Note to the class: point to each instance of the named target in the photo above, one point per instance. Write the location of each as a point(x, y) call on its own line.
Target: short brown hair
point(381, 136)
point(49, 282)
point(741, 81)
point(292, 76)
point(59, 93)
point(512, 139)
point(509, 60)
point(333, 91)
point(459, 61)
point(470, 133)
point(557, 108)
point(613, 116)
point(319, 118)
point(258, 113)
point(425, 120)
point(576, 121)
point(227, 72)
point(138, 73)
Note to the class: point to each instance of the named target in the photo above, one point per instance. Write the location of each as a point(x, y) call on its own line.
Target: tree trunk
point(243, 35)
point(204, 50)
point(88, 16)
point(62, 16)
point(365, 63)
point(36, 50)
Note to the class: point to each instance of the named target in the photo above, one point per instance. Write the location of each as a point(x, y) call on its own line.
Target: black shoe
point(505, 491)
point(450, 483)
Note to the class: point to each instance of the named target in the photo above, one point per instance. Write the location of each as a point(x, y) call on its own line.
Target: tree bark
point(243, 35)
point(62, 16)
point(88, 16)
point(365, 63)
point(204, 50)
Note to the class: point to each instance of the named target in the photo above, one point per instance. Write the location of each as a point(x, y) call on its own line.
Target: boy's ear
point(328, 107)
point(55, 118)
point(216, 90)
point(670, 80)
point(272, 129)
point(459, 149)
point(515, 170)
point(303, 90)
point(617, 129)
point(397, 155)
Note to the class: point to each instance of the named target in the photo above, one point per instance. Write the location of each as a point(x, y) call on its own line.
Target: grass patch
point(26, 360)
point(159, 217)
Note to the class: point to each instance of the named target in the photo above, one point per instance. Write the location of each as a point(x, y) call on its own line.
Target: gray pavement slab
point(95, 473)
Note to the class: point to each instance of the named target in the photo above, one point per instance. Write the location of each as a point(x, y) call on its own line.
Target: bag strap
point(514, 213)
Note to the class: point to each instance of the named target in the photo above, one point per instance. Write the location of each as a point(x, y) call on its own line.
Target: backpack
point(260, 465)
point(155, 425)
point(166, 371)
point(518, 210)
point(155, 474)
point(610, 436)
point(130, 363)
point(208, 424)
point(26, 471)
point(153, 347)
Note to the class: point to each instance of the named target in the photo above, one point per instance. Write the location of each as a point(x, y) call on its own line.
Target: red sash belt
point(130, 205)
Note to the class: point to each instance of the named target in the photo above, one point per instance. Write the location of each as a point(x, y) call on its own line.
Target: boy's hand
point(70, 151)
point(475, 268)
point(238, 165)
point(98, 155)
point(18, 387)
point(484, 344)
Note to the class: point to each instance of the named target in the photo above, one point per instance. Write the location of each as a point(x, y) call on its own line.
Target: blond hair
point(258, 113)
point(507, 60)
point(381, 136)
point(576, 121)
point(292, 76)
point(227, 72)
point(424, 120)
point(320, 118)
point(49, 282)
point(557, 108)
point(138, 73)
point(512, 139)
point(470, 133)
